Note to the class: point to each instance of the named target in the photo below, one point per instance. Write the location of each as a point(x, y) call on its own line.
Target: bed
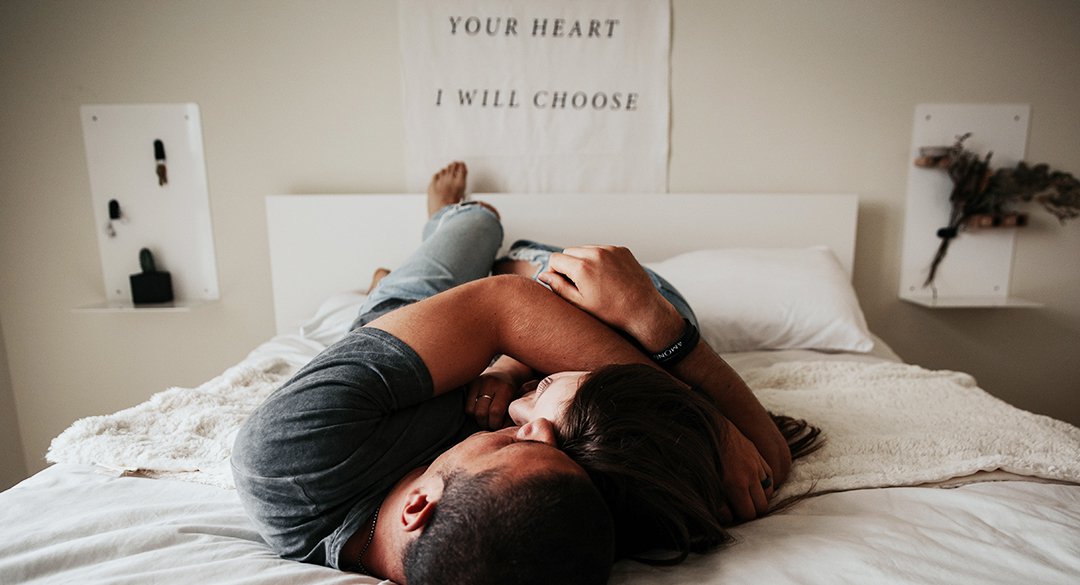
point(924, 477)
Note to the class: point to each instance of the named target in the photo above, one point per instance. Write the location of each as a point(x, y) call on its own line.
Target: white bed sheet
point(987, 533)
point(73, 523)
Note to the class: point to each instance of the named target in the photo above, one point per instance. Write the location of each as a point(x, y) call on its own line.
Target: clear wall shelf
point(128, 307)
point(977, 269)
point(971, 302)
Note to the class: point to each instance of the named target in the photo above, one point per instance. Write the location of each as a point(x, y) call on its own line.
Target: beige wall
point(12, 464)
point(305, 96)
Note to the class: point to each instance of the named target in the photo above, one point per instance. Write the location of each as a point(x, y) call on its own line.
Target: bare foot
point(380, 273)
point(447, 187)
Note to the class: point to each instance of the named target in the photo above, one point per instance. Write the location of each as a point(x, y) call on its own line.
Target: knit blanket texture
point(885, 425)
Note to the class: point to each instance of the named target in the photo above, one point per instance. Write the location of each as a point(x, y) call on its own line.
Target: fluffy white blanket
point(885, 425)
point(888, 424)
point(181, 433)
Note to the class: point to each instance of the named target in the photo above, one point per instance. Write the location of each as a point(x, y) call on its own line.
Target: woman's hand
point(488, 397)
point(748, 480)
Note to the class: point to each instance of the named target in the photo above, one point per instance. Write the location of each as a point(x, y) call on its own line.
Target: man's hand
point(609, 283)
point(748, 480)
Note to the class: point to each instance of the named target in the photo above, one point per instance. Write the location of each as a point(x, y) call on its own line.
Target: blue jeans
point(538, 254)
point(459, 245)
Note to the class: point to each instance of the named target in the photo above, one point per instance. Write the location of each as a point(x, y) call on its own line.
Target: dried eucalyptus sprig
point(977, 191)
point(1057, 192)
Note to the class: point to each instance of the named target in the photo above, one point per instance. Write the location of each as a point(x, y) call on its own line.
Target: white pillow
point(757, 299)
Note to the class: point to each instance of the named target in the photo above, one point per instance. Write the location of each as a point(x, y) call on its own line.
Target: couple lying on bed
point(366, 459)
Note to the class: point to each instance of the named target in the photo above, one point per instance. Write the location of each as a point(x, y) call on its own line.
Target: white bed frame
point(326, 244)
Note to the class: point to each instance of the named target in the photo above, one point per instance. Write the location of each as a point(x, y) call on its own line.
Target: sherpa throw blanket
point(884, 424)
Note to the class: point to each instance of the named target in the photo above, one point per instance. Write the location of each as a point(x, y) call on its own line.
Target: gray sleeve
point(328, 445)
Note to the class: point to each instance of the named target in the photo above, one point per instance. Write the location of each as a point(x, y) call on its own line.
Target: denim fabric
point(539, 254)
point(459, 245)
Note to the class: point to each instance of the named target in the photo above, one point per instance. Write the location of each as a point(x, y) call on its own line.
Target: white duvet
point(886, 423)
point(71, 524)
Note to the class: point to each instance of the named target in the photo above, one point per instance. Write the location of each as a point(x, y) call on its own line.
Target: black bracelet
point(680, 348)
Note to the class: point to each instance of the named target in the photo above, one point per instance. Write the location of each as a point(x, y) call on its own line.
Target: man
point(356, 462)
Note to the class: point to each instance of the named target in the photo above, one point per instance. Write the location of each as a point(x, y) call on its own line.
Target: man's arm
point(457, 332)
point(704, 368)
point(609, 283)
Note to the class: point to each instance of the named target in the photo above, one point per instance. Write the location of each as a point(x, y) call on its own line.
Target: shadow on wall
point(12, 463)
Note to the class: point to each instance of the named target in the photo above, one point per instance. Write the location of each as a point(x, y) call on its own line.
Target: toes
point(459, 169)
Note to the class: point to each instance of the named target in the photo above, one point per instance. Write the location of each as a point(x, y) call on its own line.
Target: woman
point(634, 428)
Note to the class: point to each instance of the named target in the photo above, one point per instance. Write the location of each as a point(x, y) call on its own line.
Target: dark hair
point(546, 528)
point(655, 450)
point(802, 437)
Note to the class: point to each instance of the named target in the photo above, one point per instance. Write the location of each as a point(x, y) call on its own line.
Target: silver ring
point(488, 396)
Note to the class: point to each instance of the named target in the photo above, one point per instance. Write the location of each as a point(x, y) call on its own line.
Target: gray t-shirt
point(315, 460)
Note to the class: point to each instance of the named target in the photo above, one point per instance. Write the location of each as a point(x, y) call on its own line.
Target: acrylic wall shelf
point(977, 269)
point(128, 307)
point(148, 188)
point(956, 302)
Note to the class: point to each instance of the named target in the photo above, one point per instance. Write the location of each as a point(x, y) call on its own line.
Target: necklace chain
point(371, 537)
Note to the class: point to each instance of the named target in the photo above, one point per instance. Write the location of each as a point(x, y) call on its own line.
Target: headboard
point(326, 244)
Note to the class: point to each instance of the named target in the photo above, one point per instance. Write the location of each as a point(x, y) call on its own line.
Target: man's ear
point(420, 504)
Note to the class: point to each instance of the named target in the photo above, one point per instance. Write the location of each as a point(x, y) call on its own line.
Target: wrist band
point(680, 348)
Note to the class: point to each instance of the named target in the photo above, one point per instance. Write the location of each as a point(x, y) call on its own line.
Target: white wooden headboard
point(326, 244)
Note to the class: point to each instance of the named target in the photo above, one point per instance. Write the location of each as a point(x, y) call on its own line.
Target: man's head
point(512, 509)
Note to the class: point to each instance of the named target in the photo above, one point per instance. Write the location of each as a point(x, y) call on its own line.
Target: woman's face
point(548, 399)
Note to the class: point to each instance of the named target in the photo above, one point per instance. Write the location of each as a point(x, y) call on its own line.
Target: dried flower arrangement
point(983, 198)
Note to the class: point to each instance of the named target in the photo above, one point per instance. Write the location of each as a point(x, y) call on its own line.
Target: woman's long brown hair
point(655, 451)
